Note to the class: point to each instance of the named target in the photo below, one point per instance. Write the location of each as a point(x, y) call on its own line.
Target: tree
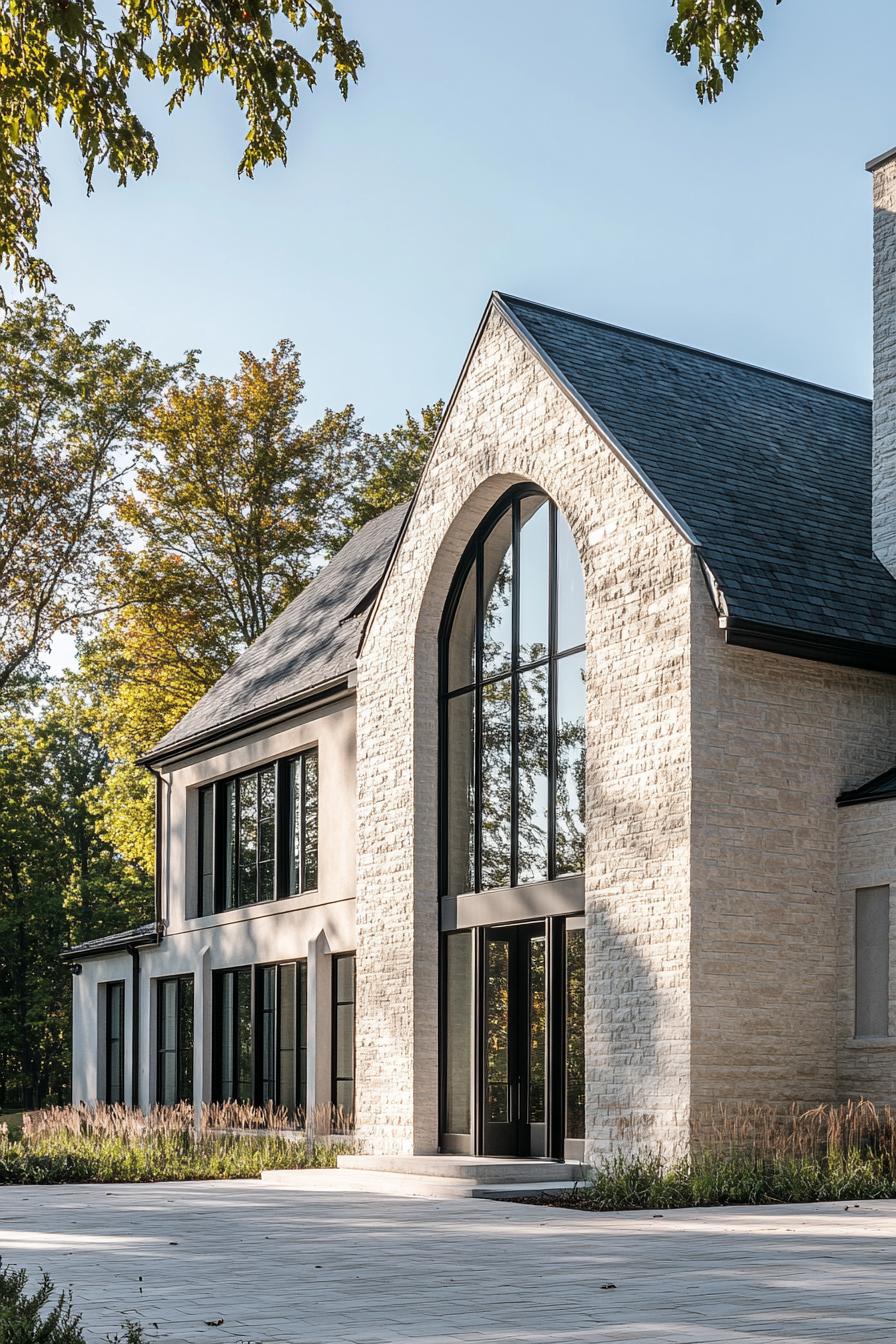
point(59, 60)
point(235, 506)
point(718, 32)
point(397, 459)
point(71, 408)
point(59, 883)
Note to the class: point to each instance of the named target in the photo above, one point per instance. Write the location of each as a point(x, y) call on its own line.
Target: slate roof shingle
point(772, 474)
point(315, 640)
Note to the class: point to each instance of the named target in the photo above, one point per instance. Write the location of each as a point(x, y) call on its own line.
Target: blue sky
point(554, 151)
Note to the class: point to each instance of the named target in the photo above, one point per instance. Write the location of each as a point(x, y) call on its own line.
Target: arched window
point(513, 703)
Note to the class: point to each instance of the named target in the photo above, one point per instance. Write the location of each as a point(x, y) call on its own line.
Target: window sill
point(258, 909)
point(871, 1043)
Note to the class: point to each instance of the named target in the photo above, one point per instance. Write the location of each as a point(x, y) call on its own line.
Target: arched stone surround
point(511, 422)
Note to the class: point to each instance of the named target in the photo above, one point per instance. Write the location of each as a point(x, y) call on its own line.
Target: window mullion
point(552, 692)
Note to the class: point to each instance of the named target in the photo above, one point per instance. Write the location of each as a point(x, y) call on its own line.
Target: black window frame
point(255, 1090)
point(337, 1003)
point(183, 1050)
point(286, 818)
point(472, 560)
point(300, 1030)
point(117, 988)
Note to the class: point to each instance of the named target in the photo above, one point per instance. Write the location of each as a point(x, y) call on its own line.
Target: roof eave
point(114, 943)
point(819, 648)
point(333, 689)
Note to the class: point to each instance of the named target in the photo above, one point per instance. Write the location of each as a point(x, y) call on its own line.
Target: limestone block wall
point(883, 455)
point(511, 422)
point(776, 739)
point(867, 842)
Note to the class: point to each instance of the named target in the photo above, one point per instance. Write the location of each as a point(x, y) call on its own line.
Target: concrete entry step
point(435, 1177)
point(479, 1170)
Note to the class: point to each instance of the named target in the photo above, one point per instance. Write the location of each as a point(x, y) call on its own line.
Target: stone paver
point(280, 1266)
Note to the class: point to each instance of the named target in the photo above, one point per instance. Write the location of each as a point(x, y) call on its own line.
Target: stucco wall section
point(776, 739)
point(511, 422)
point(867, 834)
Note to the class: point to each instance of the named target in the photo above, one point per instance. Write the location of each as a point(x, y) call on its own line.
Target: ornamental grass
point(81, 1144)
point(755, 1155)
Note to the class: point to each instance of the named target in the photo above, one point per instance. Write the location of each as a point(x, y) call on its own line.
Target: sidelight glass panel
point(302, 1031)
point(248, 841)
point(496, 783)
point(344, 1034)
point(497, 1031)
point(268, 1009)
point(537, 1030)
point(207, 850)
point(570, 815)
point(534, 577)
point(267, 811)
point(224, 1031)
point(575, 1033)
point(114, 1007)
point(497, 597)
point(570, 590)
point(230, 844)
point(460, 809)
point(185, 1043)
point(286, 1037)
point(532, 784)
point(458, 1031)
point(244, 1034)
point(309, 875)
point(461, 662)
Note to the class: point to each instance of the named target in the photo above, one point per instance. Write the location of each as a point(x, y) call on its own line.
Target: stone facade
point(867, 858)
point(511, 422)
point(884, 441)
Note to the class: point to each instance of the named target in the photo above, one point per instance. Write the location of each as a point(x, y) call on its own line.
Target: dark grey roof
point(114, 942)
point(875, 791)
point(313, 642)
point(772, 474)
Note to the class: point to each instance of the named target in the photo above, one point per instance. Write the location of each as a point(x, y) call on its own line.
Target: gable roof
point(771, 476)
point(310, 645)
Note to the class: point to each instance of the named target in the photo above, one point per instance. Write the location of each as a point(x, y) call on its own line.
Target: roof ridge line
point(681, 345)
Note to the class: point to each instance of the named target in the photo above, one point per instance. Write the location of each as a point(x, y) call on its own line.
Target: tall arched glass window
point(513, 703)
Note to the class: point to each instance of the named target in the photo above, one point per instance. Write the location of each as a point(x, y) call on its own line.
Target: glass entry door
point(514, 1040)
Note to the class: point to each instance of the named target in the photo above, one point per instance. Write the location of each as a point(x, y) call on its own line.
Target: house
point(561, 806)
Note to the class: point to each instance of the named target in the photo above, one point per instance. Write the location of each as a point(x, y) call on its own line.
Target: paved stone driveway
point(280, 1266)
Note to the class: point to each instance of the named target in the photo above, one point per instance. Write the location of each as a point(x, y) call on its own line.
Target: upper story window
point(513, 703)
point(258, 835)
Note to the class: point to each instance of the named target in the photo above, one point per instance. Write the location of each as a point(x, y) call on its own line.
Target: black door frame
point(554, 927)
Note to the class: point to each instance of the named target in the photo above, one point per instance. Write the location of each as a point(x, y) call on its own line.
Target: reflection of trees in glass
point(537, 1026)
point(514, 679)
point(497, 1011)
point(575, 1033)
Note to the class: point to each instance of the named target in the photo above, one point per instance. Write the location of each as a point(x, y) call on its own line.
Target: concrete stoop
point(438, 1176)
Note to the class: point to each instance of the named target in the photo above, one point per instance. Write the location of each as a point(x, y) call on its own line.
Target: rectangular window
point(282, 1034)
point(344, 1034)
point(174, 1056)
point(873, 961)
point(232, 1034)
point(575, 1031)
point(258, 835)
point(114, 1010)
point(206, 903)
point(303, 823)
point(261, 1057)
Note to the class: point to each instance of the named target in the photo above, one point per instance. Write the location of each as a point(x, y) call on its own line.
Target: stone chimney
point(883, 438)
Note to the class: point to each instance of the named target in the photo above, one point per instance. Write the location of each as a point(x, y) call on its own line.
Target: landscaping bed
point(71, 1145)
point(753, 1155)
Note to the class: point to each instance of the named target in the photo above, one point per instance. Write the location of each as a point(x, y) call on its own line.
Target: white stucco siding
point(256, 934)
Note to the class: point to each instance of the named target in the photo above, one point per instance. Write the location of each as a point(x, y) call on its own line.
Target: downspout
point(135, 1026)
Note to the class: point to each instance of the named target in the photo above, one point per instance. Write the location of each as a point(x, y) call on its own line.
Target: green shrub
point(36, 1318)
